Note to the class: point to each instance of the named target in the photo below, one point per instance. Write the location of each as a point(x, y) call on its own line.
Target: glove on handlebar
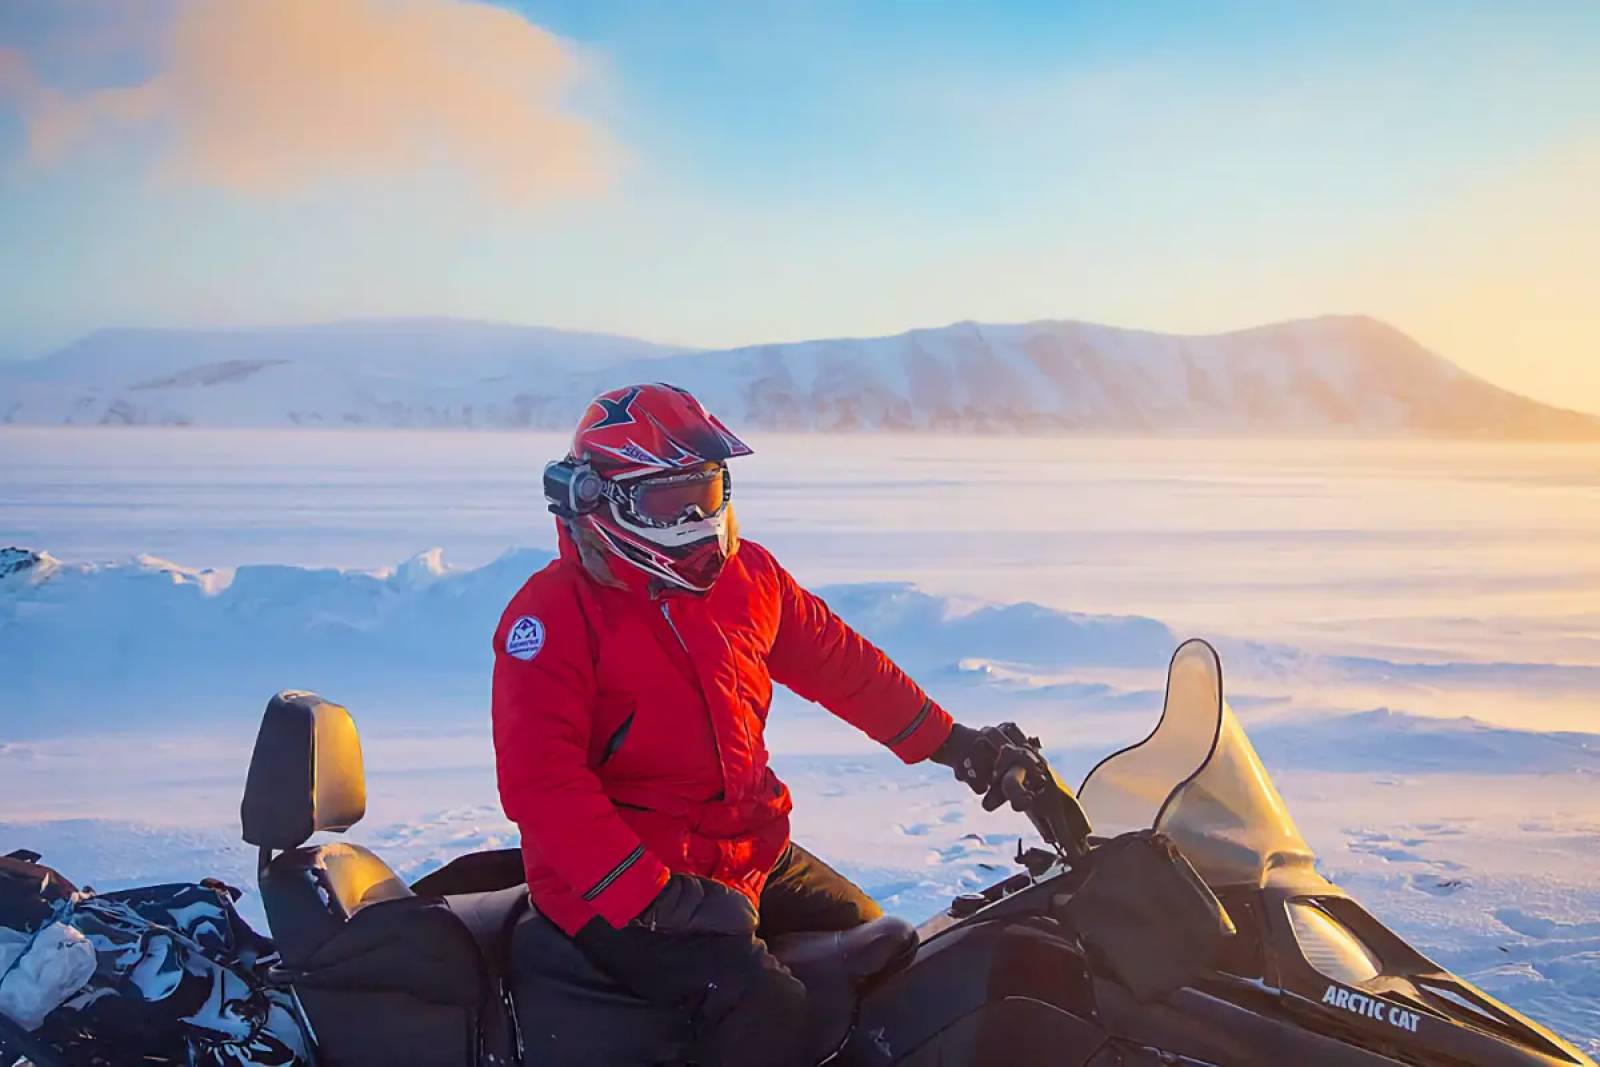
point(1005, 766)
point(965, 753)
point(982, 758)
point(1020, 775)
point(690, 905)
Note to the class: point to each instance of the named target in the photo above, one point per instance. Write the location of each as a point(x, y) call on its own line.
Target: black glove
point(690, 905)
point(981, 759)
point(1021, 790)
point(967, 752)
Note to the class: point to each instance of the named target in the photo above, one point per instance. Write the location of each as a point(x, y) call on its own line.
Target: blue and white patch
point(525, 638)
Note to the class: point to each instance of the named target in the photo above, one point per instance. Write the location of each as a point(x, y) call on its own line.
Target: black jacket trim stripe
point(616, 872)
point(911, 727)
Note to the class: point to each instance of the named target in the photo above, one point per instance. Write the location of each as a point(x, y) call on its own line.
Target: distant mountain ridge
point(1334, 374)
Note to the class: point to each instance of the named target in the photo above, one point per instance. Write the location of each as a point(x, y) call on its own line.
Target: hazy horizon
point(669, 347)
point(713, 176)
point(1328, 376)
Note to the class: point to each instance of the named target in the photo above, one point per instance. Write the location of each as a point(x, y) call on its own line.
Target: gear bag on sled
point(170, 970)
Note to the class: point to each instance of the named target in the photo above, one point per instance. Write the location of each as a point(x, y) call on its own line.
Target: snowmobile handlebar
point(1014, 784)
point(1053, 809)
point(1034, 789)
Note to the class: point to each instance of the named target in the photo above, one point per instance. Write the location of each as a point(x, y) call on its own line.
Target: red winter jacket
point(628, 726)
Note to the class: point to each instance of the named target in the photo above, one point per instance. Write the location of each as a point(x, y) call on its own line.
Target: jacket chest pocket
point(656, 731)
point(614, 739)
point(612, 725)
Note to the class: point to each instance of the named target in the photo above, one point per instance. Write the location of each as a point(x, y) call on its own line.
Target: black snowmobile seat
point(305, 773)
point(835, 965)
point(386, 976)
point(880, 947)
point(349, 878)
point(490, 916)
point(571, 1012)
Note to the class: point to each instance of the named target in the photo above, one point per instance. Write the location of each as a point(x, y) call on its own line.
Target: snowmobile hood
point(1197, 778)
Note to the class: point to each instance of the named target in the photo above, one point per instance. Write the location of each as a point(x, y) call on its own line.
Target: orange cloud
point(272, 96)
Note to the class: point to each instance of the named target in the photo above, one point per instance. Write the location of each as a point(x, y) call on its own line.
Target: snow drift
point(155, 645)
point(1384, 740)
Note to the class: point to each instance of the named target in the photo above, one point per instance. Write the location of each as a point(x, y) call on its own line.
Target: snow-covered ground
point(1411, 634)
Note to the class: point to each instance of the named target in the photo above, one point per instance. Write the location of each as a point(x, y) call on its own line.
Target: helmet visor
point(675, 498)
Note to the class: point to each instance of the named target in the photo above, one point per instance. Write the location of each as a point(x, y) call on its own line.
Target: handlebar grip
point(1014, 784)
point(1011, 786)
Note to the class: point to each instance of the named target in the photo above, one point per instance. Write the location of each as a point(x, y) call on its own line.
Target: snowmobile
point(1176, 918)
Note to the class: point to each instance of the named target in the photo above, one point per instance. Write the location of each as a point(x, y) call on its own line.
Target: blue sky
point(751, 171)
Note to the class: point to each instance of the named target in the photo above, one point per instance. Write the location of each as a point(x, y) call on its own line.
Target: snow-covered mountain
point(1330, 374)
point(385, 372)
point(1335, 374)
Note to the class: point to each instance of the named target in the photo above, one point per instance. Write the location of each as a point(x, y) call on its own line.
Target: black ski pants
point(746, 1008)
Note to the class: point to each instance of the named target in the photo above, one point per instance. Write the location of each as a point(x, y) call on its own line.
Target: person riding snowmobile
point(632, 681)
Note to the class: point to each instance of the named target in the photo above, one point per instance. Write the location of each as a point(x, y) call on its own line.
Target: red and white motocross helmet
point(648, 475)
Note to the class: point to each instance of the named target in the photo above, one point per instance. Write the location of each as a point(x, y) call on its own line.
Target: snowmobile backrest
point(305, 772)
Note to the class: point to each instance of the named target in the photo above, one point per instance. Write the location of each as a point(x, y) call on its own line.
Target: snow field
point(1409, 633)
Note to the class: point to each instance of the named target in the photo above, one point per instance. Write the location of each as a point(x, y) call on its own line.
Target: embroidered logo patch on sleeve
point(525, 638)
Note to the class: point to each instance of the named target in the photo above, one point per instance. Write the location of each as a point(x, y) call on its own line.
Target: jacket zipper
point(665, 614)
point(744, 726)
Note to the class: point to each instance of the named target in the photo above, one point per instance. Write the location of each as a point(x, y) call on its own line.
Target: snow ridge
point(153, 645)
point(1335, 374)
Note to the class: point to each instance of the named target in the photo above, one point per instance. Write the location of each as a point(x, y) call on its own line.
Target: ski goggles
point(666, 500)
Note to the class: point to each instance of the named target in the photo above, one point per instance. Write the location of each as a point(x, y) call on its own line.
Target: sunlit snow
point(1411, 633)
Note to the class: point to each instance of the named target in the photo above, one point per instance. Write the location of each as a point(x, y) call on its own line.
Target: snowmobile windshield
point(1198, 779)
